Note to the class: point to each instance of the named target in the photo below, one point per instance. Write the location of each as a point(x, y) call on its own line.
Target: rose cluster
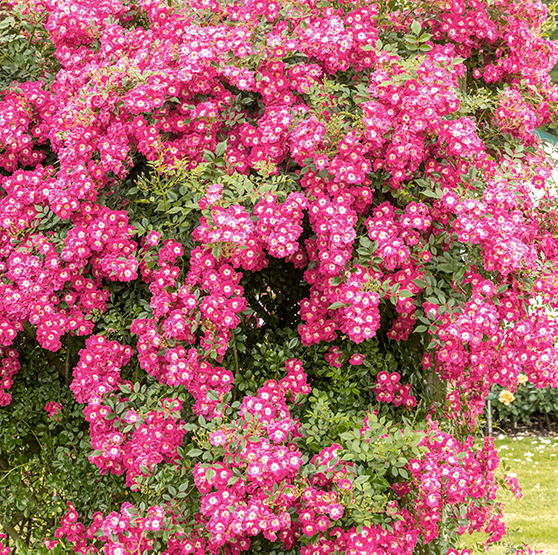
point(123, 439)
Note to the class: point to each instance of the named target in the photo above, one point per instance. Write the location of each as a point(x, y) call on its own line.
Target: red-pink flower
point(53, 408)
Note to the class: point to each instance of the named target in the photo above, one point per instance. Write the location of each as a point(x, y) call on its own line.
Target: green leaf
point(213, 395)
point(365, 242)
point(416, 27)
point(208, 155)
point(221, 149)
point(217, 250)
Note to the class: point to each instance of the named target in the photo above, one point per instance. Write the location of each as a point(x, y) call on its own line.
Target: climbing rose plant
point(262, 263)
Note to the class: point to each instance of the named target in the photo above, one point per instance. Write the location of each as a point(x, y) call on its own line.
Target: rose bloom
point(522, 379)
point(217, 438)
point(153, 238)
point(356, 359)
point(426, 256)
point(53, 409)
point(506, 397)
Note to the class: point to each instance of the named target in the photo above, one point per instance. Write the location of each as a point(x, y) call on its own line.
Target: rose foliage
point(261, 263)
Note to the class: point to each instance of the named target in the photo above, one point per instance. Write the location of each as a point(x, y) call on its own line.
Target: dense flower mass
point(255, 240)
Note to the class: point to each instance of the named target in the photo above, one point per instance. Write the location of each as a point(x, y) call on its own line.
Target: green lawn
point(533, 519)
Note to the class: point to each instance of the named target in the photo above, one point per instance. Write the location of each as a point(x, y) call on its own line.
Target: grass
point(533, 519)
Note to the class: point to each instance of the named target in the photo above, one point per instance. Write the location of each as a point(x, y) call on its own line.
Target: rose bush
point(261, 264)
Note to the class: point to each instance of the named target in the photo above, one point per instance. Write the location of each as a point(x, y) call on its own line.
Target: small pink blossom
point(217, 438)
point(53, 408)
point(357, 359)
point(153, 238)
point(335, 511)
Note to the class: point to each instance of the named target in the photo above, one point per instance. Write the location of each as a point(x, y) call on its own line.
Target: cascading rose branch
point(391, 160)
